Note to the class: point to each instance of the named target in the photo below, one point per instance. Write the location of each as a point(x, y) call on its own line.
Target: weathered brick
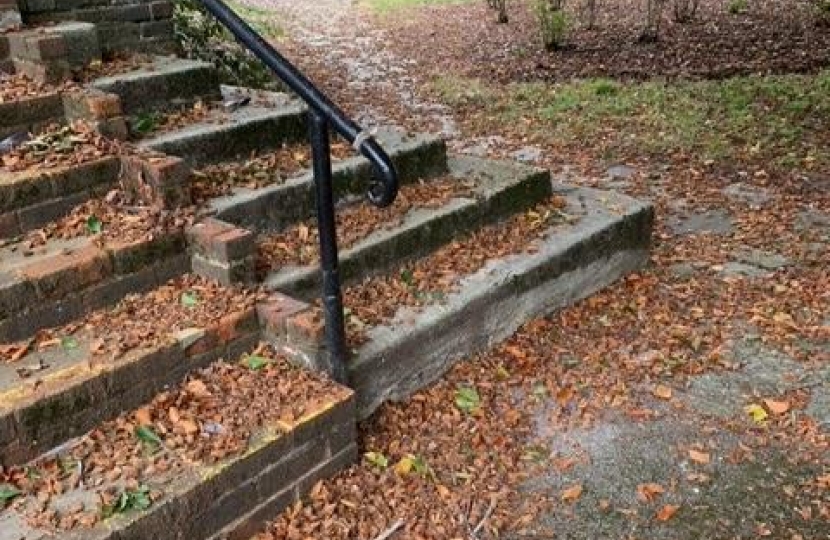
point(341, 413)
point(208, 342)
point(158, 180)
point(156, 29)
point(9, 226)
point(85, 103)
point(222, 242)
point(161, 10)
point(111, 291)
point(131, 256)
point(236, 325)
point(241, 271)
point(40, 214)
point(112, 128)
point(24, 189)
point(15, 295)
point(69, 180)
point(58, 275)
point(38, 316)
point(306, 328)
point(49, 72)
point(274, 313)
point(57, 414)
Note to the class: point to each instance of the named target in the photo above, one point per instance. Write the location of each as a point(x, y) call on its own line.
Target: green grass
point(389, 6)
point(262, 20)
point(784, 119)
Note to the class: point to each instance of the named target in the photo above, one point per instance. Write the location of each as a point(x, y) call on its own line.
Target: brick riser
point(129, 25)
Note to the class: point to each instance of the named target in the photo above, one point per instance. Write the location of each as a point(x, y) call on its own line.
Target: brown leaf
point(667, 512)
point(777, 407)
point(661, 391)
point(188, 426)
point(648, 492)
point(197, 388)
point(143, 416)
point(572, 494)
point(697, 456)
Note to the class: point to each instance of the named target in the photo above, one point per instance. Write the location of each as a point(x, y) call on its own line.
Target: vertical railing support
point(329, 263)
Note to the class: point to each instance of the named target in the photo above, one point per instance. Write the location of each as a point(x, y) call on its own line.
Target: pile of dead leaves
point(145, 320)
point(16, 87)
point(117, 217)
point(153, 123)
point(208, 418)
point(119, 64)
point(444, 465)
point(264, 169)
point(299, 244)
point(428, 280)
point(59, 146)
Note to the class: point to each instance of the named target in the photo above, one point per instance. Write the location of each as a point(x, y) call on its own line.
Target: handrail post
point(332, 297)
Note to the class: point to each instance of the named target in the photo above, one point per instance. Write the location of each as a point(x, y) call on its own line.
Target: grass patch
point(262, 20)
point(389, 6)
point(783, 119)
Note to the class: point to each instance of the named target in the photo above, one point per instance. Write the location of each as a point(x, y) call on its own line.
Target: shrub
point(202, 37)
point(737, 7)
point(553, 23)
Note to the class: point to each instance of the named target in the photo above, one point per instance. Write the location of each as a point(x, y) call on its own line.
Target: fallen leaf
point(662, 392)
point(777, 407)
point(572, 494)
point(143, 416)
point(197, 388)
point(697, 456)
point(667, 512)
point(648, 492)
point(758, 413)
point(188, 426)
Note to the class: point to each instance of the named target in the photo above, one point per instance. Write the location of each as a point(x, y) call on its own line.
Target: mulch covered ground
point(771, 36)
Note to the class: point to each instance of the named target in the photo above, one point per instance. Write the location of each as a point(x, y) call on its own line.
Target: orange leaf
point(188, 426)
point(197, 388)
point(572, 494)
point(662, 392)
point(699, 457)
point(143, 416)
point(777, 407)
point(648, 492)
point(667, 512)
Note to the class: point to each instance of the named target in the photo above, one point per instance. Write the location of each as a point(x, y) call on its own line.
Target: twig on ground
point(484, 519)
point(385, 535)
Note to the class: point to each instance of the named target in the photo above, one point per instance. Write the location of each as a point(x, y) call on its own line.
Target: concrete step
point(281, 204)
point(163, 83)
point(269, 121)
point(495, 190)
point(594, 239)
point(215, 455)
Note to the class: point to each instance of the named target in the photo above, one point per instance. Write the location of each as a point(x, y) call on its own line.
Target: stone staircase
point(160, 340)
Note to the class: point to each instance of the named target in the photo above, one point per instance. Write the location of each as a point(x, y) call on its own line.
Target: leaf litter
point(125, 462)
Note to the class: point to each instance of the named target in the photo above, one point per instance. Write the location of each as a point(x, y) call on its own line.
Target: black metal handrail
point(323, 115)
